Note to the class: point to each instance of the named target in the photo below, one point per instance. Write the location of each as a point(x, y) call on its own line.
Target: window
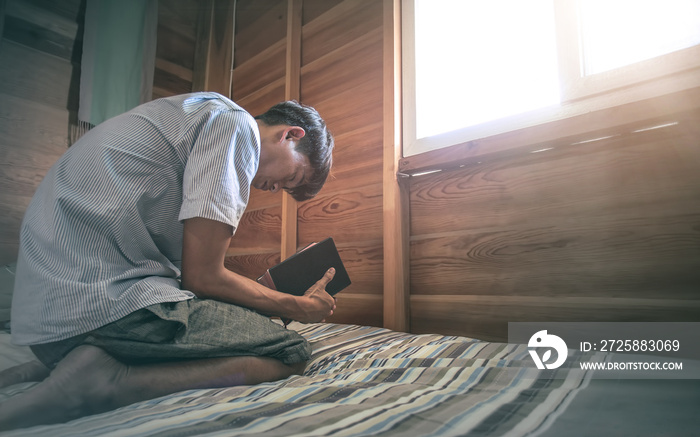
point(475, 68)
point(619, 33)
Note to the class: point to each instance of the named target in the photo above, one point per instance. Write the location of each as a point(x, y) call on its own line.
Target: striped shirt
point(102, 236)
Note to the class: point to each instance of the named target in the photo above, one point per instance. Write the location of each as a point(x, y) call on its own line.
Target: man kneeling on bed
point(121, 290)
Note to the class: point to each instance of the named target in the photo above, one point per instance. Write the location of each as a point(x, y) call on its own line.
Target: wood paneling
point(315, 8)
point(590, 230)
point(348, 216)
point(364, 264)
point(395, 186)
point(338, 71)
point(545, 223)
point(359, 161)
point(174, 46)
point(259, 230)
point(39, 65)
point(350, 20)
point(260, 24)
point(257, 83)
point(39, 84)
point(252, 265)
point(51, 85)
point(73, 10)
point(171, 79)
point(292, 84)
point(357, 309)
point(263, 199)
point(177, 37)
point(487, 317)
point(262, 99)
point(34, 26)
point(220, 56)
point(364, 107)
point(34, 135)
point(605, 178)
point(603, 230)
point(259, 71)
point(179, 17)
point(341, 76)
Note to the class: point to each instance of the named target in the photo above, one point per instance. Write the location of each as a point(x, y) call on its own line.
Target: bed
point(371, 381)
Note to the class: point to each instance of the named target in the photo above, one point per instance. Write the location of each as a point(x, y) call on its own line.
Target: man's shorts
point(191, 329)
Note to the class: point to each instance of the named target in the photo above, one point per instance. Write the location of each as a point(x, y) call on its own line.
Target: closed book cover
point(300, 271)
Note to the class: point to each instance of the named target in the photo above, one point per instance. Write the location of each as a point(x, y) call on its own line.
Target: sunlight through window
point(478, 68)
point(482, 60)
point(622, 32)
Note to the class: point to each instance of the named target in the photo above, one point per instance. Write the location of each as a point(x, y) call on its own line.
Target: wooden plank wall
point(258, 79)
point(604, 230)
point(341, 76)
point(40, 53)
point(39, 80)
point(587, 229)
point(177, 37)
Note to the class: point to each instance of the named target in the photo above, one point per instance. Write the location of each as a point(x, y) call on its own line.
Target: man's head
point(290, 124)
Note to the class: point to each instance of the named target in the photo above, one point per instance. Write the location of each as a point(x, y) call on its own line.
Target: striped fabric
point(361, 381)
point(102, 236)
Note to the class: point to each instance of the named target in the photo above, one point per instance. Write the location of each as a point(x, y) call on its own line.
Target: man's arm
point(203, 251)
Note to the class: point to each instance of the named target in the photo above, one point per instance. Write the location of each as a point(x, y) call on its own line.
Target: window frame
point(655, 77)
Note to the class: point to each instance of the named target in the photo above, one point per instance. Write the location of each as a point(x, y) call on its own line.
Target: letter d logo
point(542, 339)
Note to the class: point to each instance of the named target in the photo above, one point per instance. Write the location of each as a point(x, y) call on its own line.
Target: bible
point(300, 271)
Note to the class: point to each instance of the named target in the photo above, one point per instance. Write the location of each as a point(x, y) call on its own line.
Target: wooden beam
point(289, 226)
point(292, 87)
point(395, 191)
point(213, 51)
point(201, 49)
point(293, 72)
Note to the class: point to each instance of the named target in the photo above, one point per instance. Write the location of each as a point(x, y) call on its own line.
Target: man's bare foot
point(80, 385)
point(90, 381)
point(28, 372)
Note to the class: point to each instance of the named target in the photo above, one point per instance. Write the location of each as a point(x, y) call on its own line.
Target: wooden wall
point(599, 226)
point(40, 53)
point(341, 76)
point(39, 80)
point(178, 22)
point(340, 69)
point(586, 230)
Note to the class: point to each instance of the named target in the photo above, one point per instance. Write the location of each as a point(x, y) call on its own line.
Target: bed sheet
point(361, 381)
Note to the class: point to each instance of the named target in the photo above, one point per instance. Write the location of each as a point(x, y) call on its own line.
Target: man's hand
point(203, 273)
point(317, 304)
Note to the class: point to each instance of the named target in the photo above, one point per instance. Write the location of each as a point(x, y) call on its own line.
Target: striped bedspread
point(361, 381)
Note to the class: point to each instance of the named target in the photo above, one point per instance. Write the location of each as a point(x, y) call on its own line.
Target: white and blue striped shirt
point(102, 236)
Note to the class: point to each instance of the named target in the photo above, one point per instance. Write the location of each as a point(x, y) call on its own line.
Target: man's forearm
point(230, 287)
point(203, 252)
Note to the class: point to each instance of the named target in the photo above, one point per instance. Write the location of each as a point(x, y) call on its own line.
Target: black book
point(300, 271)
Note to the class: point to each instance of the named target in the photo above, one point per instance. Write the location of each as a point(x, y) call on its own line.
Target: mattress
point(363, 381)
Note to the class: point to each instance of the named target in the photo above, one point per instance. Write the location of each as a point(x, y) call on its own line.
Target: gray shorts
point(191, 329)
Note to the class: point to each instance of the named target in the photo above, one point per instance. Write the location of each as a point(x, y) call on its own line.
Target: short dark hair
point(317, 144)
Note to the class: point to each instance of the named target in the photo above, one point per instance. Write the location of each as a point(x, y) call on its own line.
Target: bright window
point(474, 68)
point(492, 77)
point(615, 33)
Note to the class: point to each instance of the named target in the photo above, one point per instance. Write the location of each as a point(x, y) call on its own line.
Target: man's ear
point(294, 133)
